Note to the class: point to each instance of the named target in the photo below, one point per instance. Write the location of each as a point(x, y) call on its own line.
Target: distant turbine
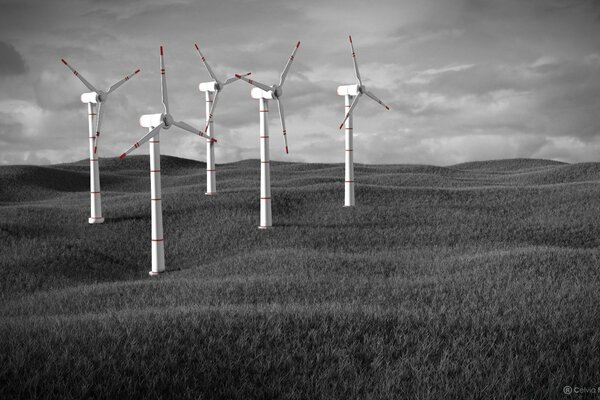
point(351, 95)
point(265, 93)
point(95, 97)
point(155, 123)
point(215, 86)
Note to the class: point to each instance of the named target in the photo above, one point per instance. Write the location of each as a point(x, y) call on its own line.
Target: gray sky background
point(465, 79)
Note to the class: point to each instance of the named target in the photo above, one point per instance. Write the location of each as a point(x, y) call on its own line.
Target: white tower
point(212, 90)
point(98, 97)
point(155, 123)
point(95, 198)
point(264, 93)
point(211, 178)
point(352, 94)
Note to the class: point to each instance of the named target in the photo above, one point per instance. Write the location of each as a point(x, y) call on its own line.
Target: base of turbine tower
point(96, 220)
point(264, 227)
point(154, 273)
point(211, 193)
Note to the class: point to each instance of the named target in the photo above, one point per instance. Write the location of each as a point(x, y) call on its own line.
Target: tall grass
point(472, 281)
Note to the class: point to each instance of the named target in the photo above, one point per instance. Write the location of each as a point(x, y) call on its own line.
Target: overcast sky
point(465, 79)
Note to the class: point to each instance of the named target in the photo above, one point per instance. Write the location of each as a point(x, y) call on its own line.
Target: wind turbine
point(264, 93)
point(212, 90)
point(352, 93)
point(92, 98)
point(155, 123)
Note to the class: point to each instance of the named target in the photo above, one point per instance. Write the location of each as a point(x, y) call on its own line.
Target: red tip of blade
point(238, 76)
point(137, 71)
point(122, 156)
point(95, 149)
point(350, 37)
point(161, 50)
point(196, 46)
point(298, 44)
point(64, 62)
point(387, 107)
point(213, 140)
point(341, 125)
point(286, 150)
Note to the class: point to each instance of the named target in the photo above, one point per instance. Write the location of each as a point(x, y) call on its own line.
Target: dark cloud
point(11, 62)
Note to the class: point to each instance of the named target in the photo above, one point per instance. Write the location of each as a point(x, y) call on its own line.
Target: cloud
point(11, 62)
point(463, 78)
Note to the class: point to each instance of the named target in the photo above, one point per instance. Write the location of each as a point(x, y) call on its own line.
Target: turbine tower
point(155, 123)
point(264, 93)
point(211, 90)
point(351, 95)
point(92, 98)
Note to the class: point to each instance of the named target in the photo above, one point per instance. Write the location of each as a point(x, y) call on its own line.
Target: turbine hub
point(361, 88)
point(101, 96)
point(277, 91)
point(168, 120)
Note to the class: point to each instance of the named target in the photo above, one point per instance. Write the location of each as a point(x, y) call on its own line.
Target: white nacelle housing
point(258, 93)
point(208, 86)
point(348, 90)
point(150, 120)
point(90, 97)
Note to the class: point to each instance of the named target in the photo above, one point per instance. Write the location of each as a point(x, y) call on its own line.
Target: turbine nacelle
point(258, 93)
point(350, 90)
point(90, 97)
point(94, 97)
point(154, 120)
point(213, 86)
point(275, 93)
point(151, 120)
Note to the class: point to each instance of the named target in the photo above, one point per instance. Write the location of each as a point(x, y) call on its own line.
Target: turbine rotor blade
point(282, 118)
point(163, 81)
point(81, 78)
point(234, 79)
point(122, 81)
point(189, 128)
point(98, 124)
point(288, 65)
point(354, 61)
point(372, 96)
point(354, 103)
point(254, 83)
point(143, 140)
point(211, 112)
point(210, 71)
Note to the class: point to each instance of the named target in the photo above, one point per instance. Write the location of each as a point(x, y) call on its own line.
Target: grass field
point(479, 280)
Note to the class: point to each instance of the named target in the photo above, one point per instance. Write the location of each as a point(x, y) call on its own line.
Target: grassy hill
point(478, 280)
